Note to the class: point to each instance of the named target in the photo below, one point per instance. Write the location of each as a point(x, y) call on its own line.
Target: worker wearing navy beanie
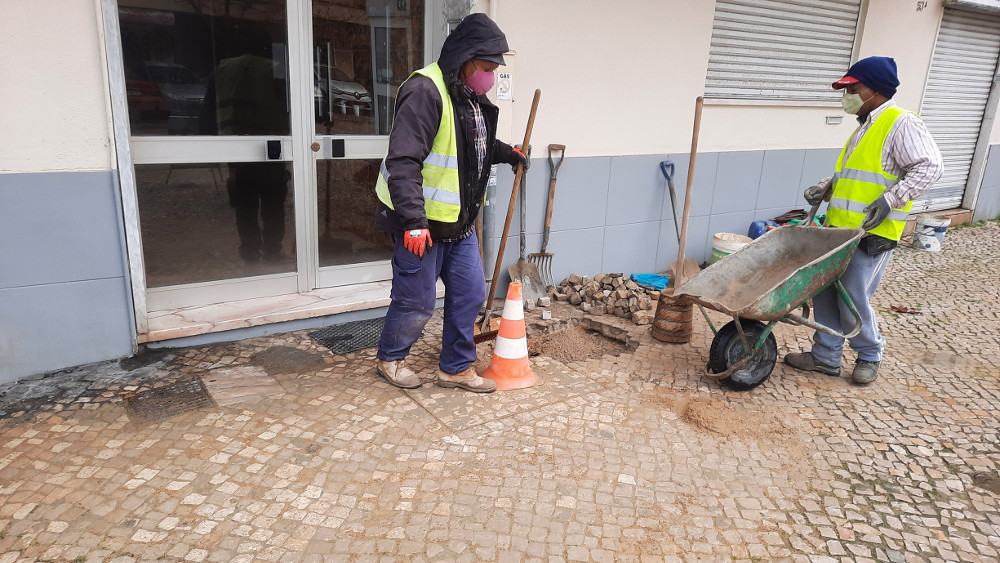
point(889, 161)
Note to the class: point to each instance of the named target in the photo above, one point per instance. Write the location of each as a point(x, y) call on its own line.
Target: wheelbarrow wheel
point(727, 350)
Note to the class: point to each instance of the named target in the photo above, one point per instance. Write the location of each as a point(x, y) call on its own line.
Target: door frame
point(297, 146)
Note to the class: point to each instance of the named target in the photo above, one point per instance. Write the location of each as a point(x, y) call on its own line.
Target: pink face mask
point(480, 81)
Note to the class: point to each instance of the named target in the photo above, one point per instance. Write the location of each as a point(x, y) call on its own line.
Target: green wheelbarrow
point(763, 284)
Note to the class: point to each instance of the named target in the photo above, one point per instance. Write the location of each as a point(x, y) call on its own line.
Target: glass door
point(362, 50)
point(210, 106)
point(257, 128)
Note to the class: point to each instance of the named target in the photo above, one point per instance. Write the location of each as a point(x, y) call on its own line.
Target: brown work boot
point(864, 372)
point(468, 380)
point(805, 361)
point(397, 374)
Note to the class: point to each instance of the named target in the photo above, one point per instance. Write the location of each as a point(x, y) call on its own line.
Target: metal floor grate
point(170, 400)
point(348, 337)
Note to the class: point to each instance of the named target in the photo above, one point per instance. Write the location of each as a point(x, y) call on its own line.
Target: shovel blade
point(532, 286)
point(685, 271)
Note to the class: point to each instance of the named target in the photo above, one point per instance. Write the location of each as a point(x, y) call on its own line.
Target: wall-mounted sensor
point(834, 119)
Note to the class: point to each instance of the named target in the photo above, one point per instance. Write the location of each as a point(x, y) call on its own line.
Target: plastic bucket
point(724, 244)
point(929, 232)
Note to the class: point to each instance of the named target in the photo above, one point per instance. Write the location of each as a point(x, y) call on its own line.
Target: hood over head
point(475, 35)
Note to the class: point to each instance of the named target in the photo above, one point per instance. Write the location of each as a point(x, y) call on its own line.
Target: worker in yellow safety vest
point(889, 161)
point(430, 188)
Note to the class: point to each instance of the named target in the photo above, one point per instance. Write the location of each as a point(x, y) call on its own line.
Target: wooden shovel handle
point(679, 276)
point(510, 212)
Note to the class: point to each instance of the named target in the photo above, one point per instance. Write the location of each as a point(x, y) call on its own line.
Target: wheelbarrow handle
point(807, 222)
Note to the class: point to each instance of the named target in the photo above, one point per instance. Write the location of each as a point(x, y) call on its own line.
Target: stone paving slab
point(459, 411)
point(634, 457)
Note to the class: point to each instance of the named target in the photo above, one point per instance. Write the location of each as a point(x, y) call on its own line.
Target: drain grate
point(348, 337)
point(170, 400)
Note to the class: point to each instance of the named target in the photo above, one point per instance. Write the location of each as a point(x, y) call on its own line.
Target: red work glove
point(417, 241)
point(521, 158)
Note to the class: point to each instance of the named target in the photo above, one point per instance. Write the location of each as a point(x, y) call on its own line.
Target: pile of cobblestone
point(608, 294)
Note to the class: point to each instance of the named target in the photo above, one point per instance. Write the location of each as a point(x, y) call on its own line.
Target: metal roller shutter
point(788, 50)
point(958, 85)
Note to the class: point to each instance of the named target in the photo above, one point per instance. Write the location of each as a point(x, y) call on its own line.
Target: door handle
point(316, 146)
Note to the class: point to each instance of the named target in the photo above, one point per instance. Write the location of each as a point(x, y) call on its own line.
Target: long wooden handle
point(679, 275)
point(510, 212)
point(554, 171)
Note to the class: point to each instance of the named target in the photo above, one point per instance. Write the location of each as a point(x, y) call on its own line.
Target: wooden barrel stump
point(672, 322)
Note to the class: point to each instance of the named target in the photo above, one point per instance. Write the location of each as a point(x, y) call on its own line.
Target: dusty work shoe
point(397, 374)
point(805, 361)
point(864, 372)
point(468, 380)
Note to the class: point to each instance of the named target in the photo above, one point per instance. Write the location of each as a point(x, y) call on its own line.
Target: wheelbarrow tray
point(774, 274)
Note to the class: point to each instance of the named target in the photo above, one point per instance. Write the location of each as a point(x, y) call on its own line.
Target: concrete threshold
point(185, 322)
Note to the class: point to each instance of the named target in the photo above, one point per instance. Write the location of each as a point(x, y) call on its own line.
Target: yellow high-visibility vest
point(861, 180)
point(442, 201)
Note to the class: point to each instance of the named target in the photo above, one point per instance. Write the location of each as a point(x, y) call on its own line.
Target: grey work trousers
point(861, 280)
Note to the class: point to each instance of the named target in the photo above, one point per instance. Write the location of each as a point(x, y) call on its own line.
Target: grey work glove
point(877, 211)
point(817, 193)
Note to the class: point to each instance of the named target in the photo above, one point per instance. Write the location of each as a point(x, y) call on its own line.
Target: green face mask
point(852, 103)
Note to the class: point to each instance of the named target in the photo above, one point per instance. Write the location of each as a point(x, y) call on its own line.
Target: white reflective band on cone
point(511, 349)
point(512, 311)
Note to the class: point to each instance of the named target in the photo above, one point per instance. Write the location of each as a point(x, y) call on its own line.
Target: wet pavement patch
point(167, 401)
point(349, 337)
point(987, 480)
point(145, 357)
point(287, 359)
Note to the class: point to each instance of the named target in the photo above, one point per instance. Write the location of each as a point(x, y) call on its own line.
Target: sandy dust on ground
point(574, 344)
point(713, 415)
point(570, 345)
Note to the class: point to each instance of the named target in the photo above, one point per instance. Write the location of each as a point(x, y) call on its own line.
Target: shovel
point(543, 259)
point(523, 271)
point(691, 266)
point(487, 332)
point(685, 274)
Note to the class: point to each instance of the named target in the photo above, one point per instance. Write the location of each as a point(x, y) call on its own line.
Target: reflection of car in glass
point(182, 93)
point(340, 93)
point(143, 97)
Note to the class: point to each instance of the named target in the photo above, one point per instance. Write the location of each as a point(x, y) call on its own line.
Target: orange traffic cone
point(510, 368)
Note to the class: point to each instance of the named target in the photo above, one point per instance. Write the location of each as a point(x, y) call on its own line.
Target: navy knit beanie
point(877, 73)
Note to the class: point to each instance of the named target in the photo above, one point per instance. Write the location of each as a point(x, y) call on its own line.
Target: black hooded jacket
point(417, 117)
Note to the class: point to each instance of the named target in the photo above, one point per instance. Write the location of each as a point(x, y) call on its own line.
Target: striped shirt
point(479, 133)
point(909, 153)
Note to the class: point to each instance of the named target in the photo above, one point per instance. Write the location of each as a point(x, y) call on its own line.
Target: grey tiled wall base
point(612, 214)
point(64, 296)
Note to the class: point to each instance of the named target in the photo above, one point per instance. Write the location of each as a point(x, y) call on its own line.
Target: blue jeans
point(861, 280)
point(413, 295)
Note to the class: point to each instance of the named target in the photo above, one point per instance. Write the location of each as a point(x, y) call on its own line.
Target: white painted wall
point(622, 77)
point(55, 97)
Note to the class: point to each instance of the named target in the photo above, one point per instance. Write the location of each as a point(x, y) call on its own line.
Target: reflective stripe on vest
point(861, 180)
point(442, 200)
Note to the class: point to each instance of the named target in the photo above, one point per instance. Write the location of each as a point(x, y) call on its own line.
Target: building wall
point(988, 203)
point(618, 80)
point(621, 78)
point(64, 296)
point(619, 83)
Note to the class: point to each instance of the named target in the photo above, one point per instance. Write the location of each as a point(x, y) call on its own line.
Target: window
point(789, 50)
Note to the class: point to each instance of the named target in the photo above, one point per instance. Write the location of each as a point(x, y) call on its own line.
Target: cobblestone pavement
point(302, 455)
